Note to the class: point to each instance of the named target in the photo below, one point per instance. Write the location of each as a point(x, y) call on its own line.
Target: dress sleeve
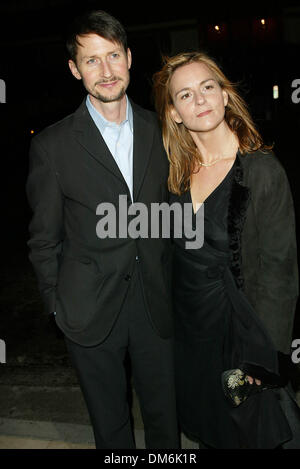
point(277, 279)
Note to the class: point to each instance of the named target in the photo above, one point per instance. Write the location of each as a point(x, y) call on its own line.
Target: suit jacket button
point(127, 277)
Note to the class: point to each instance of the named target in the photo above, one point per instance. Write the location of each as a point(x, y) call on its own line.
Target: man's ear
point(129, 58)
point(74, 70)
point(175, 116)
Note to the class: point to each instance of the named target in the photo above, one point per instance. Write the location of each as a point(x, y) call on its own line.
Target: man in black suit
point(110, 296)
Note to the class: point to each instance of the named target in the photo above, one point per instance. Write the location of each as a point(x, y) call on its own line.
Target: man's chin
point(109, 99)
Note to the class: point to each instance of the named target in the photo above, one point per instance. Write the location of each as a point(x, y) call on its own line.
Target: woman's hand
point(250, 379)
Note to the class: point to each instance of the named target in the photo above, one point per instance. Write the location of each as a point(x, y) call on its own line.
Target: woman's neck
point(220, 143)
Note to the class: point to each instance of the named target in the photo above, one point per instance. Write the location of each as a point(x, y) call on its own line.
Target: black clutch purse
point(237, 387)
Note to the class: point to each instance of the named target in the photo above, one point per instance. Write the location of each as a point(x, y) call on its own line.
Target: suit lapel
point(89, 137)
point(143, 132)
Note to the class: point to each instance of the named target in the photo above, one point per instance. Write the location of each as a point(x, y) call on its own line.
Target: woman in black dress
point(235, 297)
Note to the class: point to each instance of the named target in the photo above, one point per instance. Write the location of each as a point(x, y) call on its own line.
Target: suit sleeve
point(46, 227)
point(277, 279)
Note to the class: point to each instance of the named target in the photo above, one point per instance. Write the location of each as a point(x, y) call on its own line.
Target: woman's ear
point(225, 97)
point(175, 116)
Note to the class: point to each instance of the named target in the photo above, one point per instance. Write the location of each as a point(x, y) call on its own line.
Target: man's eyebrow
point(186, 89)
point(88, 57)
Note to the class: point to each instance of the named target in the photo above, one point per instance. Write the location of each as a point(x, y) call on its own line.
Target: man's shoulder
point(57, 130)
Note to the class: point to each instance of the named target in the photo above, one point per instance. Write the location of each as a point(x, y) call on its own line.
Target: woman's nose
point(200, 97)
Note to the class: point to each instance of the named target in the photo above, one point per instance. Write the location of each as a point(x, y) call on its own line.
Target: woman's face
point(198, 100)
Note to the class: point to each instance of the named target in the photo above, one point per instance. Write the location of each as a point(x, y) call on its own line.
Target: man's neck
point(112, 112)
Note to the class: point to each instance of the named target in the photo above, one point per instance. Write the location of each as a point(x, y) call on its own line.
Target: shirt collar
point(102, 123)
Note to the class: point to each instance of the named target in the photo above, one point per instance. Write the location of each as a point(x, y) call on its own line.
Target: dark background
point(41, 90)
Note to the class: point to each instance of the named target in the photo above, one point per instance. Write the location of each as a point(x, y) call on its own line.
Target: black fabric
point(266, 256)
point(86, 280)
point(239, 200)
point(217, 329)
point(81, 277)
point(202, 308)
point(102, 378)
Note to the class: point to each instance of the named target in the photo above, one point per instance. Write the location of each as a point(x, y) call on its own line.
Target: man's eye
point(115, 55)
point(91, 61)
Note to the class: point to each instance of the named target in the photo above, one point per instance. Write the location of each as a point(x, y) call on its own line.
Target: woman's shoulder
point(262, 166)
point(260, 159)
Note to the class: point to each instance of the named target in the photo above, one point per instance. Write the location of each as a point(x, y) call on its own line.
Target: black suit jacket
point(81, 277)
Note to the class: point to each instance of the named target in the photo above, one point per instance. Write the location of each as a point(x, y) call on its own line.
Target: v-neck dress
point(202, 308)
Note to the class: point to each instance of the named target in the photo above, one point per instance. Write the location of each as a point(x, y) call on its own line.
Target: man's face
point(103, 66)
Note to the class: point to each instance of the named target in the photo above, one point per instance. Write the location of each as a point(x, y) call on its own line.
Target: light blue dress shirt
point(118, 138)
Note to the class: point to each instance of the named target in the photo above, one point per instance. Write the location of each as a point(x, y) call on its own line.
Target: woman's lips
point(204, 113)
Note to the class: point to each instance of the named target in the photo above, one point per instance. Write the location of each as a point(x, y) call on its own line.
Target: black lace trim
point(238, 204)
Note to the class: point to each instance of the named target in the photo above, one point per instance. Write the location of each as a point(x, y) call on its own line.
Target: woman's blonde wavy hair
point(178, 143)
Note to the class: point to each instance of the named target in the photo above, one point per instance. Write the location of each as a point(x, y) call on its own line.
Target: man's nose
point(106, 69)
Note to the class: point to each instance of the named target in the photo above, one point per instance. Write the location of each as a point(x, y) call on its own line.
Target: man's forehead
point(95, 40)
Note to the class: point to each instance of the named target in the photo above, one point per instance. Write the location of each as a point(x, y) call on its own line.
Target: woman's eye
point(208, 88)
point(185, 96)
